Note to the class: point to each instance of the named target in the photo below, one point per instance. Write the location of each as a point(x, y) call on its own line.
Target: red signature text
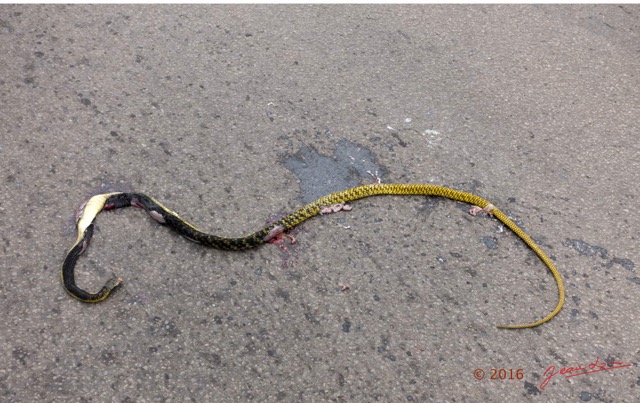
point(570, 372)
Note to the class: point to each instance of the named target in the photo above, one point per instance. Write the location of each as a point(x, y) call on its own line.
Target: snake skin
point(172, 220)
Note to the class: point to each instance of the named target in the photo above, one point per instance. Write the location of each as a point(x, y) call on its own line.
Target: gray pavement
point(234, 115)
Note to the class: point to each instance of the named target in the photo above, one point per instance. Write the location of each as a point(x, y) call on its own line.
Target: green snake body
point(171, 219)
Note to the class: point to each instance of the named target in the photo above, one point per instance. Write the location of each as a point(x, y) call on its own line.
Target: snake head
point(113, 282)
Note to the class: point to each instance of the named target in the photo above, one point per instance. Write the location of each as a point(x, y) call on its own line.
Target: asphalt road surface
point(235, 115)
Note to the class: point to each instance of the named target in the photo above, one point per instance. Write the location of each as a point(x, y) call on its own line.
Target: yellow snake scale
point(171, 219)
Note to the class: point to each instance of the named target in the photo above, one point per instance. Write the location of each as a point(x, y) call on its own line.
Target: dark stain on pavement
point(319, 175)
